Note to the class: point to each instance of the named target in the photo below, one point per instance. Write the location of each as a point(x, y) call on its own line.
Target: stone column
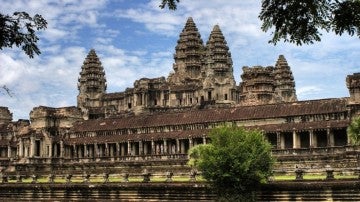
point(86, 151)
point(32, 146)
point(75, 152)
point(96, 150)
point(313, 140)
point(278, 140)
point(21, 148)
point(62, 149)
point(9, 151)
point(50, 154)
point(204, 140)
point(153, 147)
point(165, 147)
point(122, 149)
point(106, 149)
point(129, 148)
point(141, 152)
point(330, 137)
point(182, 145)
point(178, 146)
point(118, 149)
point(296, 142)
point(190, 143)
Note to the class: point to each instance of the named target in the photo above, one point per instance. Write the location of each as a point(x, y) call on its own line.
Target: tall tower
point(218, 61)
point(257, 86)
point(91, 85)
point(188, 55)
point(284, 81)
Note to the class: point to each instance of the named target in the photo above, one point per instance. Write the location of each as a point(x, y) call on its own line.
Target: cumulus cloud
point(136, 39)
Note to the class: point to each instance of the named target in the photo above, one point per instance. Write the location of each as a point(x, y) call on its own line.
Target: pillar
point(86, 151)
point(32, 146)
point(50, 154)
point(62, 149)
point(75, 152)
point(190, 143)
point(129, 148)
point(96, 149)
point(21, 148)
point(278, 140)
point(122, 149)
point(177, 146)
point(204, 140)
point(330, 137)
point(106, 149)
point(118, 149)
point(152, 147)
point(296, 142)
point(313, 140)
point(8, 151)
point(141, 148)
point(165, 147)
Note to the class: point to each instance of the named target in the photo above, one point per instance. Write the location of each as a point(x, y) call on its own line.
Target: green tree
point(301, 21)
point(235, 162)
point(19, 30)
point(353, 131)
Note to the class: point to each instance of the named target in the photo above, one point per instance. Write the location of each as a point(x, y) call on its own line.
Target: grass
point(313, 177)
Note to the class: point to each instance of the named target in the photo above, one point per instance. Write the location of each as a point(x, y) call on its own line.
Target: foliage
point(236, 161)
point(19, 30)
point(170, 3)
point(353, 131)
point(301, 21)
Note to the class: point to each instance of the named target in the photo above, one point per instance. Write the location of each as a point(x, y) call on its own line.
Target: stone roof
point(300, 108)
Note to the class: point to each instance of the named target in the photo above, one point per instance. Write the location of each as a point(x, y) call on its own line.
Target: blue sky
point(135, 39)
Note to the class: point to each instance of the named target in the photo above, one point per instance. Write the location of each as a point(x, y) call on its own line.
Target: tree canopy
point(301, 21)
point(353, 131)
point(20, 30)
point(235, 162)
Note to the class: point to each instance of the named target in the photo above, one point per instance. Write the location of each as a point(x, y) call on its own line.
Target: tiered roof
point(92, 75)
point(284, 80)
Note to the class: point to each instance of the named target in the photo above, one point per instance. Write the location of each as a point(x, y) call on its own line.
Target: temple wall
point(275, 191)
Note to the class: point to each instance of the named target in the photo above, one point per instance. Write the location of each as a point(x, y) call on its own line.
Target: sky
point(136, 39)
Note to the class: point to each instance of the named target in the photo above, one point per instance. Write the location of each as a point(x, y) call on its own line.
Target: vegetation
point(236, 161)
point(301, 21)
point(353, 131)
point(19, 30)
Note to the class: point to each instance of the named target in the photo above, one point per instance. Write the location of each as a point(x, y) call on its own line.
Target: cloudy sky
point(135, 39)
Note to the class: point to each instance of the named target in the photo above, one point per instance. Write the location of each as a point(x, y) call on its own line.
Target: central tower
point(91, 86)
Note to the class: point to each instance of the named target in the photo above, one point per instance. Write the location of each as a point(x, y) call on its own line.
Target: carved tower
point(257, 86)
point(91, 85)
point(219, 69)
point(284, 81)
point(188, 56)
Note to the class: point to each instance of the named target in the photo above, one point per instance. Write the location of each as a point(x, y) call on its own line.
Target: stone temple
point(153, 124)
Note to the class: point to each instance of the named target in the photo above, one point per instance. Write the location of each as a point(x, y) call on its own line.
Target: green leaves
point(237, 160)
point(353, 131)
point(170, 3)
point(19, 30)
point(301, 21)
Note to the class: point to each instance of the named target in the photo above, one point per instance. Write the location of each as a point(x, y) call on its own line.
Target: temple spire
point(188, 54)
point(92, 82)
point(217, 52)
point(284, 81)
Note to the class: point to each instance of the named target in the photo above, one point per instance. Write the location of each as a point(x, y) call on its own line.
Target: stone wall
point(325, 190)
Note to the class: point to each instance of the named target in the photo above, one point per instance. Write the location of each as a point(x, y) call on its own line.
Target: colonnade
point(132, 148)
point(308, 138)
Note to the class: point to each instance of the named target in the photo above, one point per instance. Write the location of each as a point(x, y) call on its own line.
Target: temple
point(154, 123)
